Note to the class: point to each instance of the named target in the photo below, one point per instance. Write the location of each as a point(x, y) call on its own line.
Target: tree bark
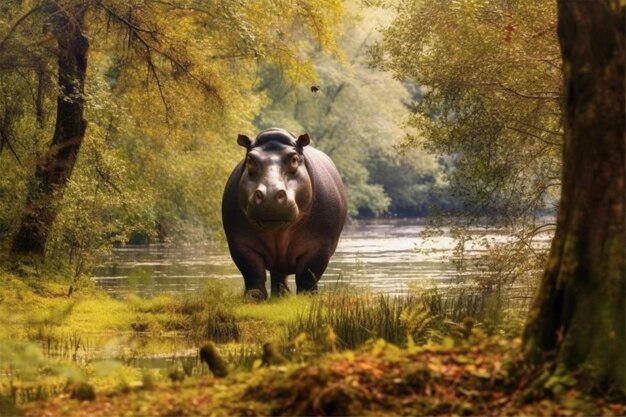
point(578, 317)
point(55, 168)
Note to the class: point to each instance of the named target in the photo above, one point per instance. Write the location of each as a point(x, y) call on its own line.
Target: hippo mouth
point(273, 223)
point(270, 220)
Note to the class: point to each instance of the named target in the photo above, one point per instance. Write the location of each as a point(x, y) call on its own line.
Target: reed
point(345, 321)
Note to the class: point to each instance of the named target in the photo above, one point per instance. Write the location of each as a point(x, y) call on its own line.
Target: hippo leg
point(279, 283)
point(252, 267)
point(309, 270)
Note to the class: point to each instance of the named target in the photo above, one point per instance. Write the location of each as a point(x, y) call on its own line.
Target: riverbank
point(73, 350)
point(54, 333)
point(474, 377)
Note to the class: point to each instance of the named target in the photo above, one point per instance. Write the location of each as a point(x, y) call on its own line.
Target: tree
point(414, 181)
point(56, 166)
point(490, 88)
point(355, 115)
point(194, 64)
point(488, 103)
point(578, 317)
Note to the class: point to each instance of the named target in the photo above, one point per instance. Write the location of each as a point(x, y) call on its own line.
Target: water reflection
point(385, 256)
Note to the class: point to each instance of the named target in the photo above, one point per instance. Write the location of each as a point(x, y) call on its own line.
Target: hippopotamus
point(283, 210)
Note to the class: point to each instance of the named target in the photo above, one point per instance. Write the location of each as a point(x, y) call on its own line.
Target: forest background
point(468, 125)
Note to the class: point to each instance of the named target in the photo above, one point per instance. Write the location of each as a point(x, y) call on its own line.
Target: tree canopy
point(356, 115)
point(489, 77)
point(168, 84)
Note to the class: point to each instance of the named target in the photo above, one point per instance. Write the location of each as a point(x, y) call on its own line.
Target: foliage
point(169, 84)
point(490, 92)
point(478, 378)
point(489, 105)
point(63, 340)
point(415, 183)
point(354, 114)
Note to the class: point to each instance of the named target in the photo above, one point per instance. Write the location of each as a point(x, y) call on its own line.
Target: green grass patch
point(118, 344)
point(277, 310)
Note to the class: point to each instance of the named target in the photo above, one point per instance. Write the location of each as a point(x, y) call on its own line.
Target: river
point(387, 256)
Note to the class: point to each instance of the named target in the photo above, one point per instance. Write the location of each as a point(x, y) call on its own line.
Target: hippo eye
point(294, 163)
point(252, 168)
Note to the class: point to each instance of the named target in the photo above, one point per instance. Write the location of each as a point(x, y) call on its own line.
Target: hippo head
point(275, 188)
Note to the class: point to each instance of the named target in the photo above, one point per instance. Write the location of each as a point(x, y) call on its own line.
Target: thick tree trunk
point(56, 166)
point(578, 318)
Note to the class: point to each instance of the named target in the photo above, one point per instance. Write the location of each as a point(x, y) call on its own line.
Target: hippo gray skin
point(283, 210)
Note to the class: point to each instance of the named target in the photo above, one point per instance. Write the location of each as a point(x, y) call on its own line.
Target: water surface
point(385, 256)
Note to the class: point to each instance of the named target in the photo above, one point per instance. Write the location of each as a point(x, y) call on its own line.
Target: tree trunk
point(578, 317)
point(56, 166)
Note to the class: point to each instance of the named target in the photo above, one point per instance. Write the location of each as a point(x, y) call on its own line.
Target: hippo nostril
point(258, 196)
point(281, 196)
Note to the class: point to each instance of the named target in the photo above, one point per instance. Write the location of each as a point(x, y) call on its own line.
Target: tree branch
point(532, 135)
point(551, 132)
point(154, 72)
point(14, 26)
point(524, 95)
point(4, 140)
point(137, 31)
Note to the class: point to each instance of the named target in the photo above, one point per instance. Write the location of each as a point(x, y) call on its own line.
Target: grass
point(87, 336)
point(353, 319)
point(278, 311)
point(344, 320)
point(75, 333)
point(477, 376)
point(436, 366)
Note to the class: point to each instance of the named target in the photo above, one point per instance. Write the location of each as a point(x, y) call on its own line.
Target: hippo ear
point(243, 140)
point(303, 140)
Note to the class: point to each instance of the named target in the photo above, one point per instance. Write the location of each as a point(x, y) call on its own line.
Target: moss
point(471, 378)
point(378, 379)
